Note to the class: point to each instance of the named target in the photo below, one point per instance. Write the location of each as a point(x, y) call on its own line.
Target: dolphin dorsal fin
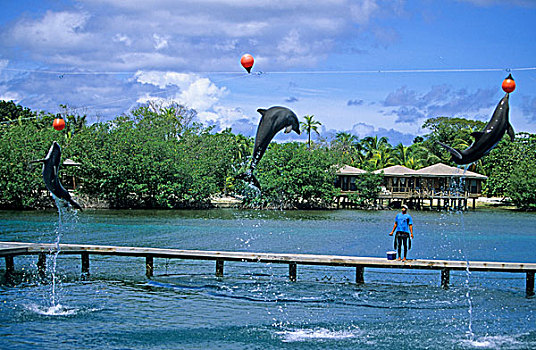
point(262, 111)
point(511, 132)
point(477, 134)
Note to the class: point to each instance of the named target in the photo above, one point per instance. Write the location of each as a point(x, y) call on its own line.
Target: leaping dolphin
point(51, 167)
point(272, 121)
point(486, 139)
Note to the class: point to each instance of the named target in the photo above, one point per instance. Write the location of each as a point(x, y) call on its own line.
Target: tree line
point(158, 156)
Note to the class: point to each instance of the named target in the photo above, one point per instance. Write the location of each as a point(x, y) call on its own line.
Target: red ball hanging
point(59, 124)
point(508, 84)
point(247, 62)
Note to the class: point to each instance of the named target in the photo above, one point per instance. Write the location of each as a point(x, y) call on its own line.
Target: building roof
point(350, 170)
point(443, 170)
point(70, 162)
point(396, 170)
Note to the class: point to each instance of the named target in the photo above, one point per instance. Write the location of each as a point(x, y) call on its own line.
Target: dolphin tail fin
point(511, 132)
point(74, 204)
point(249, 178)
point(454, 152)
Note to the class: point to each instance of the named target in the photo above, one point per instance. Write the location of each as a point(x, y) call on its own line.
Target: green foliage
point(142, 161)
point(522, 185)
point(367, 189)
point(11, 112)
point(505, 160)
point(158, 157)
point(292, 176)
point(21, 185)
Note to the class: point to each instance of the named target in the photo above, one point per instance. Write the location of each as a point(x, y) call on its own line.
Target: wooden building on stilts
point(438, 186)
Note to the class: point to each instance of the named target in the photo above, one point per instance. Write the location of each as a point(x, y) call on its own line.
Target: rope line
point(371, 71)
point(238, 75)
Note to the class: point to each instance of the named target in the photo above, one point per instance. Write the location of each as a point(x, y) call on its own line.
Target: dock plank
point(282, 258)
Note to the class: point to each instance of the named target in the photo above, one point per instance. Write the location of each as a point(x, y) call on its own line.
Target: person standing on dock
point(404, 228)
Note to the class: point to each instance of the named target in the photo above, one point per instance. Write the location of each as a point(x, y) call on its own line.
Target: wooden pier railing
point(9, 250)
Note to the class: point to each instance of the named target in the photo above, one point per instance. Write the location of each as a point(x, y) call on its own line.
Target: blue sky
point(368, 67)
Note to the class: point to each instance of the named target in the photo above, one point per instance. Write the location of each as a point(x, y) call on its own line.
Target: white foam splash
point(55, 310)
point(321, 334)
point(492, 342)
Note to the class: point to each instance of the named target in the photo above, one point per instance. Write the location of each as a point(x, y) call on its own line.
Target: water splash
point(65, 215)
point(459, 190)
point(317, 334)
point(54, 310)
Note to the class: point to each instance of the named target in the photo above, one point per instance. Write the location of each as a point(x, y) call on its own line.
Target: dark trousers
point(402, 238)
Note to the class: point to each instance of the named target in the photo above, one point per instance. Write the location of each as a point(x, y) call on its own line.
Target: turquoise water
point(184, 306)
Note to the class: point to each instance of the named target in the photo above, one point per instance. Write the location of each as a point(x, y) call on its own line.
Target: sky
point(367, 67)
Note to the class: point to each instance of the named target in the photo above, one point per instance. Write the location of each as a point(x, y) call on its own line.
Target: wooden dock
point(9, 250)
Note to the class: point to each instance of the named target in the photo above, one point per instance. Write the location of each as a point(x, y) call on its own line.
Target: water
point(184, 306)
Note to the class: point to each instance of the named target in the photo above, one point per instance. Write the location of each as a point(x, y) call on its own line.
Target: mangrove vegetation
point(159, 156)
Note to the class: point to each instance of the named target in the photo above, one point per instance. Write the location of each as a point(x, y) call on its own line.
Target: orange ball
point(247, 62)
point(59, 124)
point(508, 84)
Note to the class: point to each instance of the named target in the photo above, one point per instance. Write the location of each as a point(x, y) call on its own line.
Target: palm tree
point(408, 156)
point(310, 125)
point(381, 158)
point(345, 141)
point(372, 145)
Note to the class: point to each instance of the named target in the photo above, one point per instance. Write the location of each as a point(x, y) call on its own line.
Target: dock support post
point(10, 265)
point(530, 284)
point(292, 269)
point(359, 274)
point(445, 278)
point(149, 266)
point(219, 268)
point(42, 264)
point(85, 263)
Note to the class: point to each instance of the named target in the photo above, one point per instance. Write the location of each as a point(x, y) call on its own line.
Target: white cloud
point(164, 79)
point(363, 10)
point(9, 96)
point(161, 35)
point(362, 130)
point(122, 38)
point(192, 91)
point(55, 30)
point(160, 42)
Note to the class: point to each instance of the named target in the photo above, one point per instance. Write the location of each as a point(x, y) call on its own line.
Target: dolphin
point(51, 167)
point(486, 139)
point(273, 120)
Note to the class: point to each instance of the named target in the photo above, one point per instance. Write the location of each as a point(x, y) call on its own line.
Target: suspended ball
point(59, 124)
point(508, 84)
point(247, 62)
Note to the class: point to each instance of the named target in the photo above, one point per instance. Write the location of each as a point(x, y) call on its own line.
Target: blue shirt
point(402, 222)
